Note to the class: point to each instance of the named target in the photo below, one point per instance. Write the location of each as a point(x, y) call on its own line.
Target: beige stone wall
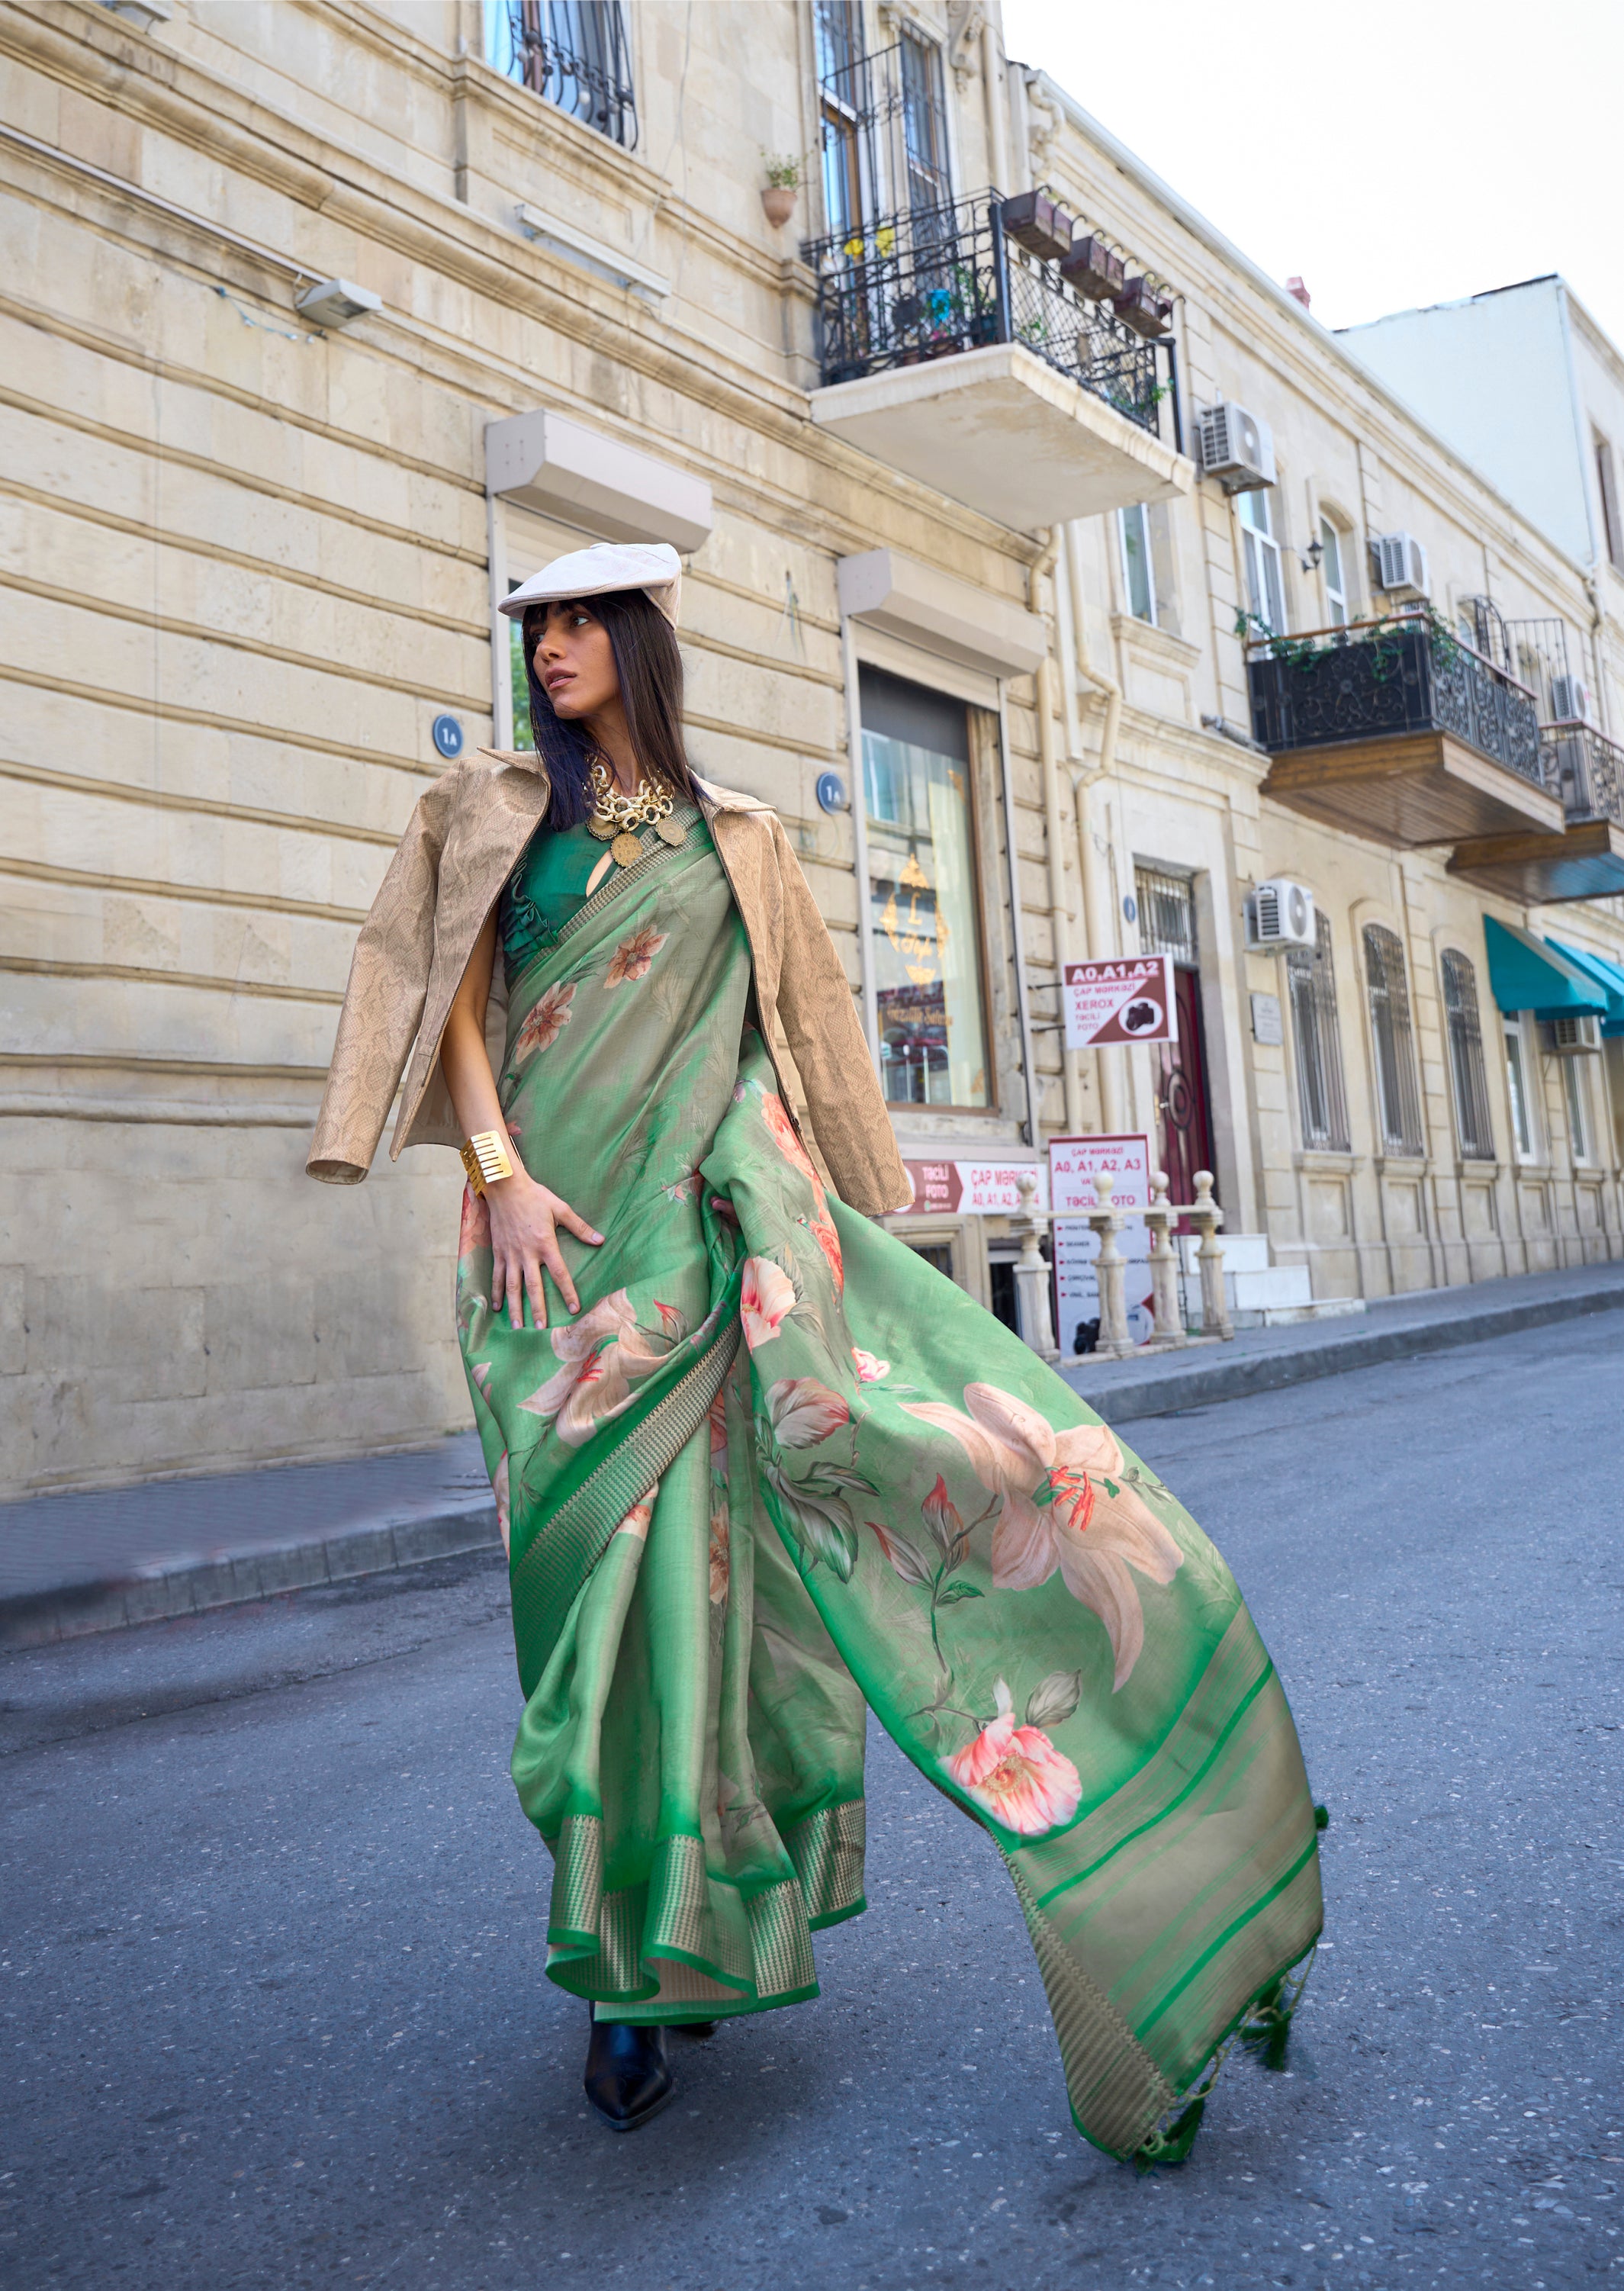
point(247, 566)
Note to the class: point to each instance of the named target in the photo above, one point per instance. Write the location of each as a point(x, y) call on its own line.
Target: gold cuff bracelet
point(487, 1158)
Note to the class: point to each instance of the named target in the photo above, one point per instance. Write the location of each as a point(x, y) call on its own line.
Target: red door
point(1181, 1102)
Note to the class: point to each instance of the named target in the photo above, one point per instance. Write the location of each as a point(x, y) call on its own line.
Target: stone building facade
point(328, 320)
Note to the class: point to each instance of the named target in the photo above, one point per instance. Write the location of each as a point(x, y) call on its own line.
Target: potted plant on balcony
point(1143, 306)
point(779, 190)
point(1033, 221)
point(1095, 270)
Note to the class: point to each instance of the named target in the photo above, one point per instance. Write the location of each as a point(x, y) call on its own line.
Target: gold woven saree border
point(826, 1849)
point(563, 1553)
point(621, 879)
point(1118, 2095)
point(655, 1949)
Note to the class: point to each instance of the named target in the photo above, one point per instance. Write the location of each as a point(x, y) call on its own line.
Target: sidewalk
point(74, 1564)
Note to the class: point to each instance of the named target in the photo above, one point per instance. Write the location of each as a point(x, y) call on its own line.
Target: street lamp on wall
point(1309, 558)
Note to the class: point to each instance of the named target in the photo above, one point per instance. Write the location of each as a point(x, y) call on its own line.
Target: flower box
point(1094, 269)
point(1145, 309)
point(1034, 220)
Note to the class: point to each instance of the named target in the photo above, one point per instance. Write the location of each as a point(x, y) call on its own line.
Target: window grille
point(1465, 1063)
point(573, 53)
point(1397, 1090)
point(1167, 913)
point(1322, 1100)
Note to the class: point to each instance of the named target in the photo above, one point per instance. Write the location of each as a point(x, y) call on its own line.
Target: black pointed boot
point(627, 2078)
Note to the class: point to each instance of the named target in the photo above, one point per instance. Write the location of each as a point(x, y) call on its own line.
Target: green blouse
point(549, 886)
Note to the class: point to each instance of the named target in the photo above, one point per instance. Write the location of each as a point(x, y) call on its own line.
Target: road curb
point(1205, 1382)
point(229, 1579)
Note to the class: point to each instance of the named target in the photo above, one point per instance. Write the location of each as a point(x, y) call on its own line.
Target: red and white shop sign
point(1073, 1162)
point(972, 1188)
point(1128, 1000)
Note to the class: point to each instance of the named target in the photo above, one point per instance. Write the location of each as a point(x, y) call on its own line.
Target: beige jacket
point(462, 841)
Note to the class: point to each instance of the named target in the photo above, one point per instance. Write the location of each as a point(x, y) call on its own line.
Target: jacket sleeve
point(383, 1002)
point(848, 1114)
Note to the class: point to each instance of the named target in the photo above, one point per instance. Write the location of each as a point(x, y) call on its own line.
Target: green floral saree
point(777, 1468)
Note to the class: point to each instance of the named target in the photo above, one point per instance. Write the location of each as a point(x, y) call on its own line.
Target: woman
point(756, 1463)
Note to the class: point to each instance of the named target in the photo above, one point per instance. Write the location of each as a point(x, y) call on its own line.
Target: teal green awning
point(1526, 974)
point(1608, 975)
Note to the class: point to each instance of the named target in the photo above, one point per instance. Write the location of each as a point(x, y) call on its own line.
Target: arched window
point(1465, 1065)
point(1397, 1091)
point(1322, 1101)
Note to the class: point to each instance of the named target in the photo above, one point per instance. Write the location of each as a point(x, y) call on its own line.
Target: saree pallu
point(777, 1468)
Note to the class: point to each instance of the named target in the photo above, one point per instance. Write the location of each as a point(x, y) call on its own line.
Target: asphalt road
point(274, 2011)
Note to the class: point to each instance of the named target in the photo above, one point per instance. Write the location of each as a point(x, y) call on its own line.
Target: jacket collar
point(714, 797)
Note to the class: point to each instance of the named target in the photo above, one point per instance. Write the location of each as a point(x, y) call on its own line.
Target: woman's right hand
point(525, 1222)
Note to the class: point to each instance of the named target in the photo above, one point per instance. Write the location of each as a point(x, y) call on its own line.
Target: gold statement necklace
point(616, 817)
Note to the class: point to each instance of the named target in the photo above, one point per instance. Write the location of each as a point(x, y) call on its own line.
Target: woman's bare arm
point(524, 1216)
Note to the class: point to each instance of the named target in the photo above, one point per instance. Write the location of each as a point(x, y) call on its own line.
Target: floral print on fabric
point(766, 1301)
point(546, 1022)
point(633, 958)
point(1015, 1774)
point(1066, 1504)
point(601, 1354)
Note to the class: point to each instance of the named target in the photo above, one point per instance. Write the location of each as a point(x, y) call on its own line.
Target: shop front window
point(923, 893)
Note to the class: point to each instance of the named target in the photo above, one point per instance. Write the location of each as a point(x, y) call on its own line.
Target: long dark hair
point(649, 667)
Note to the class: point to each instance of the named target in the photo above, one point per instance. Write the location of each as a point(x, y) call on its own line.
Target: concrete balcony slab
point(1003, 432)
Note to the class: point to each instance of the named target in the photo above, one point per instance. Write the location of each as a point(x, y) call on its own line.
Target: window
point(1333, 571)
point(1465, 1035)
point(838, 38)
point(922, 888)
point(1138, 570)
point(1310, 982)
point(1578, 1107)
point(1397, 1091)
point(573, 53)
point(1265, 594)
point(1607, 484)
point(1516, 1090)
point(924, 121)
point(1167, 913)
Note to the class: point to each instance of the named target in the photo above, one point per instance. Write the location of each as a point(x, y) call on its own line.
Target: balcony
point(954, 354)
point(1397, 730)
point(1587, 860)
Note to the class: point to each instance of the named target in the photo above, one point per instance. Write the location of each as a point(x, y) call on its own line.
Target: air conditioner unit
point(1570, 701)
point(1235, 447)
point(1401, 565)
point(1282, 916)
point(1571, 1036)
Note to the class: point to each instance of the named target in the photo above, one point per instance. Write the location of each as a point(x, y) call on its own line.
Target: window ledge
point(1327, 1157)
point(1154, 643)
point(1485, 1169)
point(1402, 1165)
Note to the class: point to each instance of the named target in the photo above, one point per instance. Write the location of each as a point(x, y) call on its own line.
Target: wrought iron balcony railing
point(1587, 768)
point(1382, 679)
point(937, 280)
point(573, 53)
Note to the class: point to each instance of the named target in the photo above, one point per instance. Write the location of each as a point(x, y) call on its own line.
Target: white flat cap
point(652, 565)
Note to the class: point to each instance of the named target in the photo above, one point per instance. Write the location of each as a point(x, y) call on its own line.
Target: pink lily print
point(1065, 1503)
point(767, 1298)
point(601, 1353)
point(548, 1020)
point(632, 958)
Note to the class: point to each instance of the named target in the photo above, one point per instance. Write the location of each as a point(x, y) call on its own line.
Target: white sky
point(1393, 157)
